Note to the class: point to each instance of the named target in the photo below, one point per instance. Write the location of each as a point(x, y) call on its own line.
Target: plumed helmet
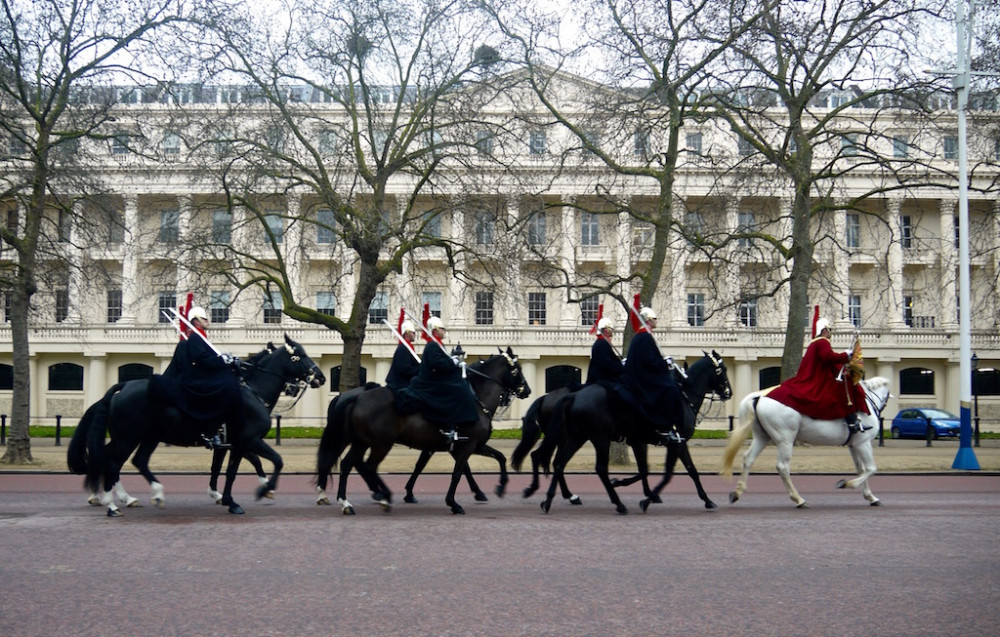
point(822, 324)
point(408, 326)
point(435, 323)
point(198, 312)
point(647, 313)
point(605, 324)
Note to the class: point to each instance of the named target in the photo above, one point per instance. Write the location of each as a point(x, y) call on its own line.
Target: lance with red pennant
point(398, 333)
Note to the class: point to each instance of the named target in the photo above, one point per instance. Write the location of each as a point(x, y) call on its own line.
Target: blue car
point(912, 423)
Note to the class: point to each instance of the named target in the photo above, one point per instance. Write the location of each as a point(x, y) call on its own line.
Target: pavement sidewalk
point(896, 456)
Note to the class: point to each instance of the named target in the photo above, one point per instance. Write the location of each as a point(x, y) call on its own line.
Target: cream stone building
point(887, 272)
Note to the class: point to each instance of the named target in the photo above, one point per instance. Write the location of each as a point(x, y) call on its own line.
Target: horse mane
point(878, 382)
point(261, 355)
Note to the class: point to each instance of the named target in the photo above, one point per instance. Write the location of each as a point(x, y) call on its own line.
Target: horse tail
point(554, 431)
point(530, 433)
point(86, 454)
point(333, 442)
point(748, 416)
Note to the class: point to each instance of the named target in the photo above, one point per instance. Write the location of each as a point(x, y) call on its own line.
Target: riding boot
point(212, 442)
point(668, 438)
point(853, 425)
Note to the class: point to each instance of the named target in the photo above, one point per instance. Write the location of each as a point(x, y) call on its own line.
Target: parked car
point(912, 423)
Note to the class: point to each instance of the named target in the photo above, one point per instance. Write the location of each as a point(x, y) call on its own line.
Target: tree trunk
point(798, 297)
point(19, 437)
point(619, 455)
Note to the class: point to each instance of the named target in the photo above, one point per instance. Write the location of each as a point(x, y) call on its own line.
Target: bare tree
point(350, 153)
point(57, 62)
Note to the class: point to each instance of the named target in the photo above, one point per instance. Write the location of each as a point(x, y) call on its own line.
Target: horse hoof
point(530, 491)
point(801, 505)
point(159, 502)
point(644, 504)
point(733, 497)
point(348, 510)
point(500, 490)
point(655, 499)
point(94, 501)
point(269, 494)
point(236, 509)
point(409, 499)
point(262, 493)
point(615, 483)
point(115, 513)
point(386, 507)
point(215, 495)
point(546, 506)
point(876, 503)
point(711, 505)
point(621, 510)
point(575, 500)
point(457, 510)
point(133, 503)
point(481, 497)
point(323, 501)
point(841, 484)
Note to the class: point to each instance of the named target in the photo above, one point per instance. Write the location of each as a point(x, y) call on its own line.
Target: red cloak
point(815, 391)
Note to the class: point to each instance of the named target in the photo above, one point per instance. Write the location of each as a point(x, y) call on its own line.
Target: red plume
point(633, 317)
point(815, 318)
point(402, 316)
point(183, 311)
point(600, 313)
point(427, 315)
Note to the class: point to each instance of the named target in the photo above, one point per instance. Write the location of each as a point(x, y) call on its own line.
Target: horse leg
point(533, 486)
point(141, 462)
point(749, 456)
point(783, 465)
point(685, 457)
point(116, 453)
point(477, 493)
point(235, 456)
point(563, 455)
point(864, 462)
point(461, 466)
point(260, 448)
point(354, 455)
point(603, 459)
point(218, 455)
point(490, 452)
point(422, 461)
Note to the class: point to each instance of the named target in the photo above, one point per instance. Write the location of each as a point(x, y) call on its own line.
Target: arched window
point(335, 377)
point(6, 377)
point(65, 377)
point(769, 377)
point(559, 376)
point(916, 380)
point(134, 371)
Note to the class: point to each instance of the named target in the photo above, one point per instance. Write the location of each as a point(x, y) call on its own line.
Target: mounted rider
point(405, 363)
point(647, 384)
point(440, 386)
point(827, 385)
point(200, 382)
point(605, 363)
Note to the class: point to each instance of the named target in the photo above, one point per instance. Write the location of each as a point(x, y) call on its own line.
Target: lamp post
point(975, 397)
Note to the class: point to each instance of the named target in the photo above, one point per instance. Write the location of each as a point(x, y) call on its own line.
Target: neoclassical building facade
point(886, 271)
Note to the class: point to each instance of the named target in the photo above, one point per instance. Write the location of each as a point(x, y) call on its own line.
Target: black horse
point(128, 417)
point(534, 424)
point(368, 420)
point(588, 415)
point(707, 375)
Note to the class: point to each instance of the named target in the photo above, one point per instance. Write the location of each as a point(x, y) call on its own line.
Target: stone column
point(97, 377)
point(130, 263)
point(677, 258)
point(948, 313)
point(569, 237)
point(292, 247)
point(185, 278)
point(462, 298)
point(894, 265)
point(842, 276)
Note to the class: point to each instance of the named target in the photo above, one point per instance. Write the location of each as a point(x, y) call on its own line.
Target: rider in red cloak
point(822, 388)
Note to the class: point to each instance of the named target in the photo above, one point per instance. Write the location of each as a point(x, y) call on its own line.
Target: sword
point(399, 337)
point(431, 335)
point(176, 324)
point(196, 331)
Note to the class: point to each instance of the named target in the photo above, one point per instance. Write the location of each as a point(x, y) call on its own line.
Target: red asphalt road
point(927, 562)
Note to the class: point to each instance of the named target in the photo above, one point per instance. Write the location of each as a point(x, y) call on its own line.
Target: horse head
point(877, 392)
point(514, 380)
point(301, 367)
point(719, 382)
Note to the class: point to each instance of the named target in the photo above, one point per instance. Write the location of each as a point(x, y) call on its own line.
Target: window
point(8, 299)
point(116, 227)
point(170, 226)
point(222, 226)
point(849, 145)
point(853, 237)
point(693, 143)
point(957, 223)
point(589, 309)
point(274, 139)
point(433, 302)
point(744, 147)
point(696, 309)
point(916, 380)
point(65, 226)
point(839, 99)
point(536, 229)
point(272, 308)
point(536, 308)
point(326, 303)
point(62, 305)
point(432, 224)
point(854, 309)
point(483, 228)
point(642, 235)
point(900, 147)
point(590, 229)
point(592, 141)
point(906, 231)
point(18, 147)
point(327, 142)
point(950, 147)
point(120, 144)
point(640, 143)
point(275, 227)
point(6, 377)
point(114, 305)
point(218, 306)
point(748, 313)
point(12, 221)
point(133, 371)
point(325, 226)
point(171, 144)
point(484, 308)
point(166, 306)
point(65, 377)
point(745, 222)
point(537, 144)
point(484, 142)
point(694, 222)
point(378, 311)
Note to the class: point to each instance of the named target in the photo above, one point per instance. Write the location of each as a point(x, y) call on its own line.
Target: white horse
point(772, 421)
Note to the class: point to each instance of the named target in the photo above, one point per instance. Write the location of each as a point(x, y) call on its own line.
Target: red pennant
point(427, 315)
point(402, 317)
point(815, 319)
point(600, 314)
point(634, 316)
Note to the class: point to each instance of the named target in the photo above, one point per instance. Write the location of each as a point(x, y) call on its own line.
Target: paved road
point(924, 563)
